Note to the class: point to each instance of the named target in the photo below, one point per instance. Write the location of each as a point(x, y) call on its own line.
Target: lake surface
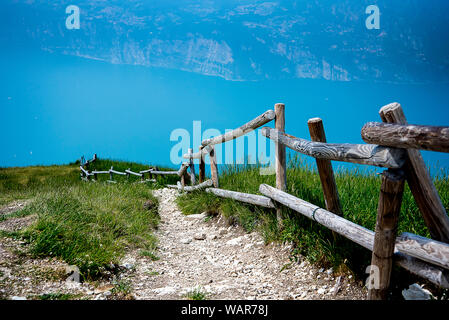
point(55, 108)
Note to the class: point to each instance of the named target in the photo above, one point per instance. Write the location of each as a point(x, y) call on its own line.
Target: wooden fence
point(393, 144)
point(88, 175)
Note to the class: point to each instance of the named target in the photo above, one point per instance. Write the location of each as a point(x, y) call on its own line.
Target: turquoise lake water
point(55, 108)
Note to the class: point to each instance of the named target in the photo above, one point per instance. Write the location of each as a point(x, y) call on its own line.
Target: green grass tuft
point(122, 289)
point(151, 255)
point(196, 294)
point(57, 296)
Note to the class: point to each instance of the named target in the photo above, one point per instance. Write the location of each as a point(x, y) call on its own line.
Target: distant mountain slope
point(247, 40)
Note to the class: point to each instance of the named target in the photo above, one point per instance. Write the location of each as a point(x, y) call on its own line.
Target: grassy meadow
point(89, 225)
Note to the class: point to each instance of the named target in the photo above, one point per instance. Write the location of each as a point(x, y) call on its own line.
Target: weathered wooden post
point(213, 167)
point(182, 173)
point(202, 174)
point(111, 177)
point(281, 170)
point(155, 175)
point(325, 170)
point(388, 211)
point(183, 180)
point(419, 181)
point(191, 167)
point(127, 174)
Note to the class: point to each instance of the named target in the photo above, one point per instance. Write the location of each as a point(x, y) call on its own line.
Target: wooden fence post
point(192, 168)
point(325, 170)
point(213, 167)
point(111, 177)
point(183, 180)
point(155, 175)
point(390, 200)
point(202, 174)
point(281, 172)
point(420, 182)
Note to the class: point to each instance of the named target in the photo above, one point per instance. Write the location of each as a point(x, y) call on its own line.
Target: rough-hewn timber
point(117, 172)
point(205, 184)
point(164, 172)
point(213, 167)
point(390, 200)
point(430, 138)
point(243, 197)
point(244, 129)
point(356, 153)
point(133, 173)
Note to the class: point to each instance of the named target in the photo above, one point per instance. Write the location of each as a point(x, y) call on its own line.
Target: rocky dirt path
point(224, 262)
point(195, 252)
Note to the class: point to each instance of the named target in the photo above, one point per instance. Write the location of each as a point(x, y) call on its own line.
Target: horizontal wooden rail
point(243, 197)
point(100, 172)
point(428, 252)
point(407, 136)
point(146, 171)
point(427, 271)
point(355, 153)
point(117, 172)
point(425, 249)
point(244, 129)
point(164, 172)
point(205, 184)
point(133, 173)
point(264, 118)
point(350, 230)
point(197, 155)
point(422, 247)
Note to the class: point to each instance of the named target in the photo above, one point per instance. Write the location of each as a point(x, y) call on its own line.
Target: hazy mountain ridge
point(249, 40)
